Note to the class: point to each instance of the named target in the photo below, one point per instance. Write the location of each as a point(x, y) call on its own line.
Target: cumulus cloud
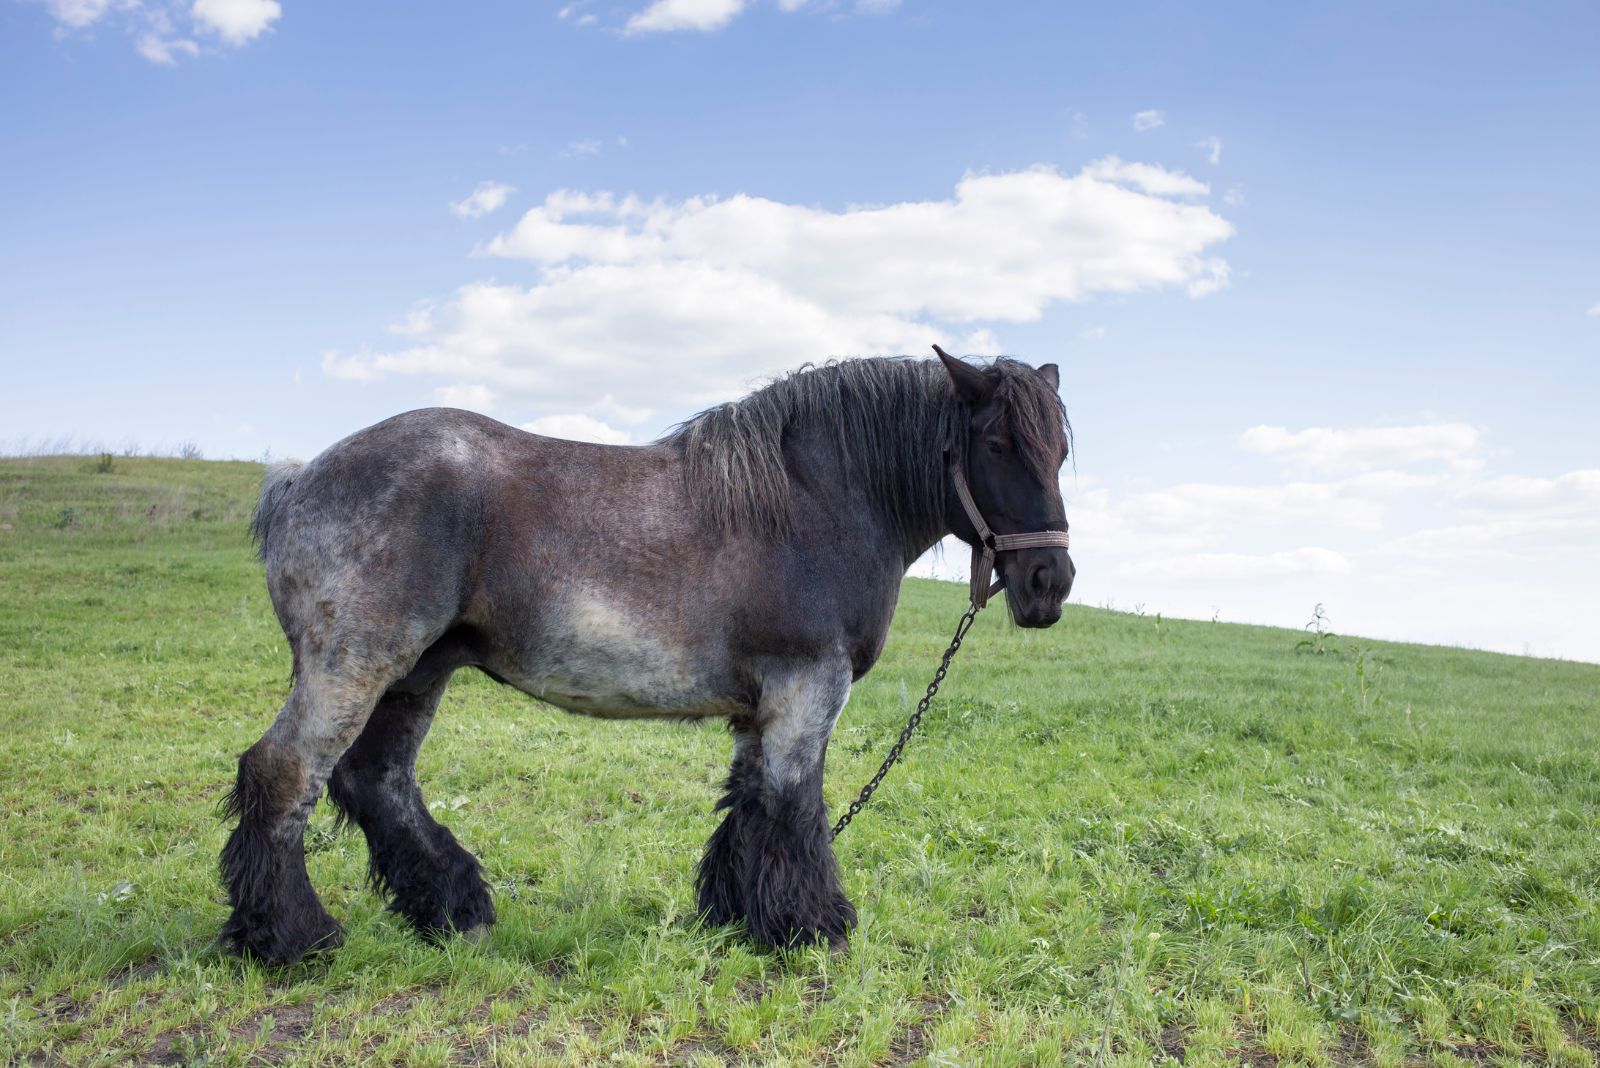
point(155, 25)
point(473, 396)
point(1593, 310)
point(236, 21)
point(1149, 120)
point(665, 15)
point(1575, 489)
point(575, 426)
point(1451, 552)
point(1508, 538)
point(1186, 515)
point(745, 286)
point(488, 197)
point(1212, 146)
point(165, 50)
point(1358, 449)
point(77, 14)
point(1003, 248)
point(575, 12)
point(1312, 560)
point(1152, 179)
point(707, 15)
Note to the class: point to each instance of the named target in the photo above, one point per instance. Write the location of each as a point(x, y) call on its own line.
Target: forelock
point(1033, 412)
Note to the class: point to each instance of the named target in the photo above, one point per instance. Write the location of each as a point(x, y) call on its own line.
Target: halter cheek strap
point(990, 543)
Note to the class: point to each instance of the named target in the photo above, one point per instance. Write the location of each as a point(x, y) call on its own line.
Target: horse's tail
point(274, 485)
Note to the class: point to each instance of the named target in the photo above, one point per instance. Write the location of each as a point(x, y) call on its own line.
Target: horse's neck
point(906, 536)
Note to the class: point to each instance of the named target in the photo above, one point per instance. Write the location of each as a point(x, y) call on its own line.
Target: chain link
point(911, 724)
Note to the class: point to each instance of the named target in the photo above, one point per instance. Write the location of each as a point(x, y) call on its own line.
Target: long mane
point(890, 420)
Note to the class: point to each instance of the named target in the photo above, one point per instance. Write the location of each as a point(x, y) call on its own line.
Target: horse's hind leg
point(429, 878)
point(772, 860)
point(277, 916)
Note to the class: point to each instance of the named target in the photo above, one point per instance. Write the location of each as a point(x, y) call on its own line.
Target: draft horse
point(746, 565)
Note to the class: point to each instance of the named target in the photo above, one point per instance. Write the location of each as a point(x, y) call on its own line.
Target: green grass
point(1115, 842)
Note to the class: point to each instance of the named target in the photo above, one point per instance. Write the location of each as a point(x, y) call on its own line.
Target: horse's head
point(1016, 439)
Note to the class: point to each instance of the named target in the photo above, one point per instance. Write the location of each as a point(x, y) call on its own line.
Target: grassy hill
point(1118, 841)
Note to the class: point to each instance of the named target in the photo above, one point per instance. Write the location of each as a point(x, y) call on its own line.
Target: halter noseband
point(990, 543)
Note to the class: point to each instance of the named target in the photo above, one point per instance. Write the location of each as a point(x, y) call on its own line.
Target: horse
point(746, 565)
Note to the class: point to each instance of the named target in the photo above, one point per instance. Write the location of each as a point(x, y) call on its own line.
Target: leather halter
point(990, 543)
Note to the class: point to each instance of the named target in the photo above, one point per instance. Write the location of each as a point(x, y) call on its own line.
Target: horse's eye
point(995, 448)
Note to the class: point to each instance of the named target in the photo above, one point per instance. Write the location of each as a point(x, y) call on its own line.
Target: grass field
point(1121, 841)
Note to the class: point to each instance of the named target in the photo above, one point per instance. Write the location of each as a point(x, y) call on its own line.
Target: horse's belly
point(596, 658)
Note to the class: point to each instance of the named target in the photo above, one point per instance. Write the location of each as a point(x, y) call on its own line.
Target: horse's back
point(440, 517)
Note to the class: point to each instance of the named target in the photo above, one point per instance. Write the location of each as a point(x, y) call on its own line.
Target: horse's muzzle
point(1037, 584)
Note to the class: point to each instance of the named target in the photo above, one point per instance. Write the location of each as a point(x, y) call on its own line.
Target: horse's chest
point(595, 656)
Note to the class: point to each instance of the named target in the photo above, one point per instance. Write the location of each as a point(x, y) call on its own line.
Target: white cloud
point(1157, 181)
point(575, 426)
point(1188, 514)
point(745, 286)
point(589, 146)
point(77, 14)
point(1457, 554)
point(1359, 449)
point(1092, 333)
point(1594, 310)
point(1212, 147)
point(708, 15)
point(153, 24)
point(1234, 197)
point(1149, 120)
point(486, 198)
point(165, 50)
point(236, 21)
point(666, 15)
point(1311, 560)
point(613, 326)
point(418, 321)
point(1509, 538)
point(1004, 248)
point(474, 396)
point(1575, 489)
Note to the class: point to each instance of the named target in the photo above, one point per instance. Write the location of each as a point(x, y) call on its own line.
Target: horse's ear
point(1052, 375)
point(972, 385)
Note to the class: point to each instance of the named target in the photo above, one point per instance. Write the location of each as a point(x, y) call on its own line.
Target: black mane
point(891, 419)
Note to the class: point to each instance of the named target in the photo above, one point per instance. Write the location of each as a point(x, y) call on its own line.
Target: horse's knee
point(272, 780)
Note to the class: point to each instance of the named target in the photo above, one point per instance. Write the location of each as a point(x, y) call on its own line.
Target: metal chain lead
point(911, 724)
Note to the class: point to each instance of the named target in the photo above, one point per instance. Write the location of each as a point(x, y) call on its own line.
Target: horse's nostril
point(1039, 579)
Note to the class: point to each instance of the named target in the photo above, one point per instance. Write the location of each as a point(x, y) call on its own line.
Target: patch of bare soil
point(911, 1043)
point(1173, 1042)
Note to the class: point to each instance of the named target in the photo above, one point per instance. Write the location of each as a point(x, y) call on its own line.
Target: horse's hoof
point(281, 948)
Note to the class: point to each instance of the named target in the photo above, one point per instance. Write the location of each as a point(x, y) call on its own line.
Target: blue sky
point(1322, 281)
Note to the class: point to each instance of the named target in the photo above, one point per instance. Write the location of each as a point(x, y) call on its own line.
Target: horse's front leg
point(771, 862)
